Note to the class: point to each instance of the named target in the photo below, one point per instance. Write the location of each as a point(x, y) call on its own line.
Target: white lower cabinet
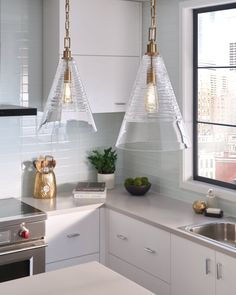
point(164, 263)
point(72, 238)
point(140, 251)
point(139, 276)
point(196, 269)
point(226, 276)
point(192, 268)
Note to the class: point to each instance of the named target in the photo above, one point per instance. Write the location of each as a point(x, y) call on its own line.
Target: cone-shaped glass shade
point(153, 121)
point(67, 100)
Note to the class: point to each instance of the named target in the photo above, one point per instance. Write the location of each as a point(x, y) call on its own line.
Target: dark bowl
point(138, 190)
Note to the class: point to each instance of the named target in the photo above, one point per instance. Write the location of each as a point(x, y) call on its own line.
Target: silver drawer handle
point(208, 262)
point(121, 237)
point(70, 236)
point(120, 103)
point(149, 250)
point(219, 271)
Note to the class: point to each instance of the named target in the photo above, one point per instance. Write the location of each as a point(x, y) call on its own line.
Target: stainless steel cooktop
point(14, 211)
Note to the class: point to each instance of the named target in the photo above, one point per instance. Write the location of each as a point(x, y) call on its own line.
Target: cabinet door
point(72, 235)
point(140, 244)
point(106, 39)
point(192, 267)
point(103, 27)
point(108, 81)
point(225, 274)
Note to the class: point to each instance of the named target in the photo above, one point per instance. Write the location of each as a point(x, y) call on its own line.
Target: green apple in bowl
point(137, 186)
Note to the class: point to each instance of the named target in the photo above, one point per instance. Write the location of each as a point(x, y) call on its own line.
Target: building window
point(214, 91)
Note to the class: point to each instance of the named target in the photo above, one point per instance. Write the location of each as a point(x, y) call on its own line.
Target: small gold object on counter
point(199, 206)
point(45, 180)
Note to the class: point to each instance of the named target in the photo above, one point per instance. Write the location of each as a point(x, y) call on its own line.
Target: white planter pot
point(109, 179)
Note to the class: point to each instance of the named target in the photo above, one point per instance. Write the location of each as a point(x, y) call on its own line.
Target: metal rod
point(24, 248)
point(219, 271)
point(74, 235)
point(121, 237)
point(208, 261)
point(149, 250)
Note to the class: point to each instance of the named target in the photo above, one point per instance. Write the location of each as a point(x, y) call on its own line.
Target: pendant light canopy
point(153, 121)
point(67, 100)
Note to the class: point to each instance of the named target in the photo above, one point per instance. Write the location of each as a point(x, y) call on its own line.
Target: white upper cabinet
point(106, 41)
point(108, 81)
point(103, 27)
point(21, 53)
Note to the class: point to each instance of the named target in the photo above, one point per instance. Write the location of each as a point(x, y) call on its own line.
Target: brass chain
point(67, 24)
point(152, 29)
point(153, 13)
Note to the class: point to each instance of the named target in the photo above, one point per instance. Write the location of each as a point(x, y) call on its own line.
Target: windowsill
point(202, 188)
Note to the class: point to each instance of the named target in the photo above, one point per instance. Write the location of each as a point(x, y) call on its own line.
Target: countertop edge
point(178, 232)
point(95, 278)
point(109, 203)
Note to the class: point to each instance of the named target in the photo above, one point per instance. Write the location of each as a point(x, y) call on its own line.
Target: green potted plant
point(105, 164)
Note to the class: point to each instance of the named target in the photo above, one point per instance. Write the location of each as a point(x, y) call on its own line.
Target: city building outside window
point(214, 95)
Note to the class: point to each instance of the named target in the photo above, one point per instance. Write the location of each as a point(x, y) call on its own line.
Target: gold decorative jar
point(45, 180)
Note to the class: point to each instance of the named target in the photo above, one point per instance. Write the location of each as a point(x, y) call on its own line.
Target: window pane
point(216, 38)
point(217, 95)
point(217, 152)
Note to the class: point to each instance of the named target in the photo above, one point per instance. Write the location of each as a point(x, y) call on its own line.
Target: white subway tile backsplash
point(19, 142)
point(20, 145)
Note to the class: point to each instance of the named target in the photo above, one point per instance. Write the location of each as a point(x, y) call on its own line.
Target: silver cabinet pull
point(219, 271)
point(121, 237)
point(149, 250)
point(208, 262)
point(74, 235)
point(120, 103)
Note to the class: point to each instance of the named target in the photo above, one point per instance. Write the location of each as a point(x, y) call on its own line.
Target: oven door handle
point(23, 248)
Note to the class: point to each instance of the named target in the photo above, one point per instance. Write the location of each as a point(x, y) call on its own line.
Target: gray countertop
point(87, 279)
point(165, 213)
point(154, 209)
point(157, 210)
point(63, 203)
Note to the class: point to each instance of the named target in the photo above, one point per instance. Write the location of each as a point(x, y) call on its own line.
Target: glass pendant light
point(153, 121)
point(67, 100)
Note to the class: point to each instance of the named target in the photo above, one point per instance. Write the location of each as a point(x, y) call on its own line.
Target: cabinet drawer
point(140, 244)
point(72, 235)
point(139, 276)
point(72, 261)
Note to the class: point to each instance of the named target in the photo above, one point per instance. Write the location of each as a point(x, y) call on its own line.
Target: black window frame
point(196, 12)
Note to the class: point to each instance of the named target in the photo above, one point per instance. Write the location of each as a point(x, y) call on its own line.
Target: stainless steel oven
point(22, 245)
point(21, 261)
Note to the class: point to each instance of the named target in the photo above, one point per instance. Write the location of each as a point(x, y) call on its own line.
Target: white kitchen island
point(85, 279)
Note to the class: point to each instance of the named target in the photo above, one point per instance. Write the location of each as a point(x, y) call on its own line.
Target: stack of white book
point(94, 190)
